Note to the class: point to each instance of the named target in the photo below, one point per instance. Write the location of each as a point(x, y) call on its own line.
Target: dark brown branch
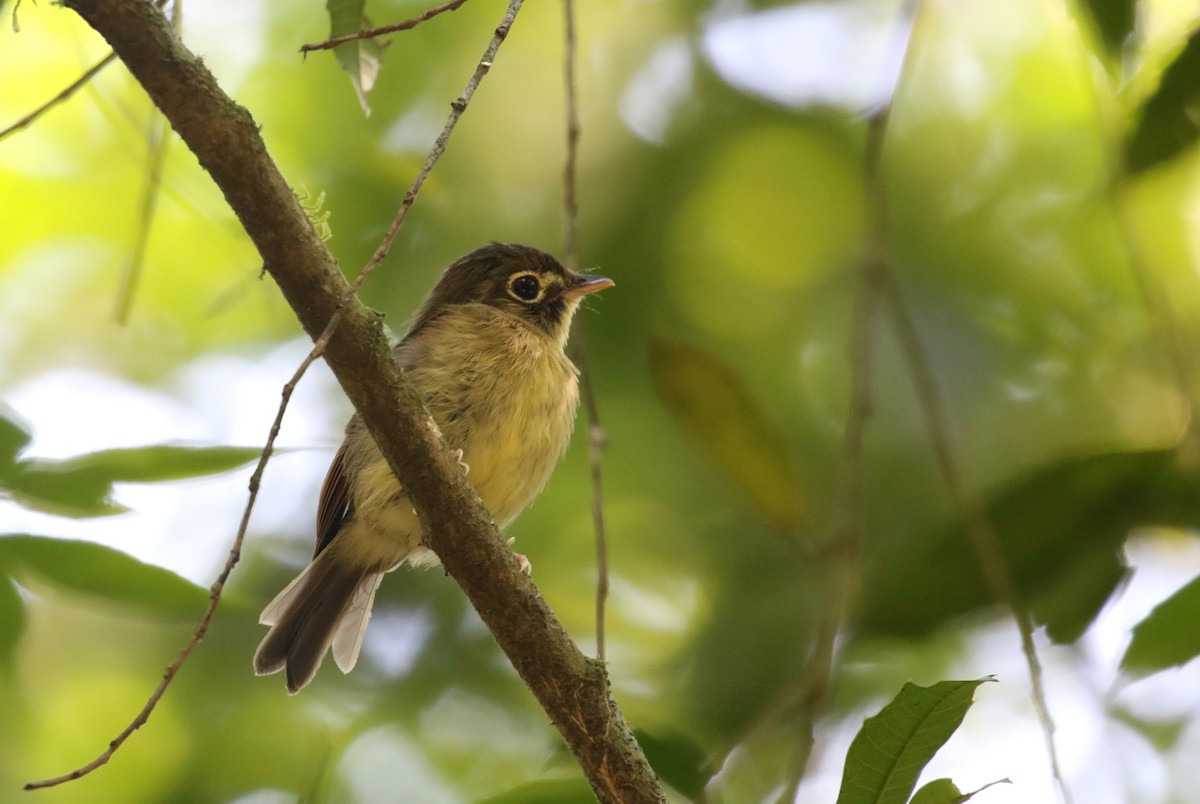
point(371, 33)
point(571, 688)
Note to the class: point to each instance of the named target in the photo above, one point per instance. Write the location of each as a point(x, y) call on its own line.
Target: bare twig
point(597, 441)
point(982, 534)
point(1161, 317)
point(157, 137)
point(840, 556)
point(156, 156)
point(980, 531)
point(74, 87)
point(596, 437)
point(457, 107)
point(571, 164)
point(214, 592)
point(71, 89)
point(371, 33)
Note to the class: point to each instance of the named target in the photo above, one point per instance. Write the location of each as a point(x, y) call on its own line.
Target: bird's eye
point(525, 287)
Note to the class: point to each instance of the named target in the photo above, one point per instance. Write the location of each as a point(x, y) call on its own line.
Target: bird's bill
point(589, 284)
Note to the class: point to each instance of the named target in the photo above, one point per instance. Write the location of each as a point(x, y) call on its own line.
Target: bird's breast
point(506, 396)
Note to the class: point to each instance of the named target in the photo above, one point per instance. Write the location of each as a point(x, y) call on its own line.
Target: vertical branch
point(570, 167)
point(1161, 316)
point(595, 432)
point(840, 558)
point(985, 541)
point(982, 534)
point(157, 137)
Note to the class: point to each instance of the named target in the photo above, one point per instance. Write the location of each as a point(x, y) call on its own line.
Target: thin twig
point(214, 592)
point(840, 565)
point(60, 97)
point(597, 441)
point(571, 164)
point(371, 33)
point(156, 156)
point(985, 541)
point(1161, 317)
point(158, 136)
point(71, 89)
point(457, 107)
point(596, 437)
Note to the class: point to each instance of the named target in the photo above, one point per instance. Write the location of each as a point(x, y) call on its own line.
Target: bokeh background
point(722, 187)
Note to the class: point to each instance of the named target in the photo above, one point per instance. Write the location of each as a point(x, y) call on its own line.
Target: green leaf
point(893, 747)
point(1170, 119)
point(678, 761)
point(1061, 527)
point(13, 439)
point(547, 791)
point(103, 572)
point(12, 622)
point(1114, 21)
point(944, 791)
point(715, 411)
point(47, 486)
point(82, 486)
point(361, 59)
point(1168, 636)
point(939, 791)
point(160, 462)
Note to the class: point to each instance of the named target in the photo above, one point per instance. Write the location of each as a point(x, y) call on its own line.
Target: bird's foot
point(458, 456)
point(524, 563)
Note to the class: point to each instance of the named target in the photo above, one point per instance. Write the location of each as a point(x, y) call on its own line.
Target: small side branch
point(74, 87)
point(371, 33)
point(214, 592)
point(457, 107)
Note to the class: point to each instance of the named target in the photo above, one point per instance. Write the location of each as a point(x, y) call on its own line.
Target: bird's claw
point(524, 563)
point(458, 456)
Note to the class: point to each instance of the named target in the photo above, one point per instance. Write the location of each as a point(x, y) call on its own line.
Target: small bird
point(485, 352)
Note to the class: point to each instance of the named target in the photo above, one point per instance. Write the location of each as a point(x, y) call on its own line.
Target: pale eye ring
point(526, 287)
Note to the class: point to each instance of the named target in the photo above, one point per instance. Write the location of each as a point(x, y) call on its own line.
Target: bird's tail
point(327, 605)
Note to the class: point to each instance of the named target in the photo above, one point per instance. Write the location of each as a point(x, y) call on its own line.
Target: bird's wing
point(334, 507)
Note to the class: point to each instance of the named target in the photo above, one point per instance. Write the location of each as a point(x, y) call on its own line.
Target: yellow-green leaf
point(717, 413)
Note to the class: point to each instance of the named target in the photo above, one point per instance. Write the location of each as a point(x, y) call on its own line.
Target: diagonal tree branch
point(224, 137)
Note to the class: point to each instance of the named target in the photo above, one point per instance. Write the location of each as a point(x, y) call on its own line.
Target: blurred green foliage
point(1040, 185)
